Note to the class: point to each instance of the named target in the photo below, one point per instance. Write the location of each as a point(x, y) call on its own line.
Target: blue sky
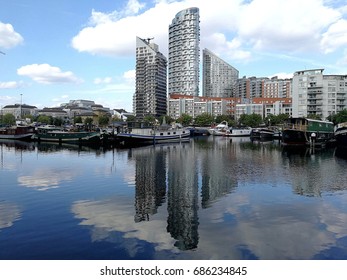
point(55, 51)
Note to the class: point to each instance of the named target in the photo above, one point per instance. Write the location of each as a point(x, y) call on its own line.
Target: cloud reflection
point(9, 213)
point(45, 179)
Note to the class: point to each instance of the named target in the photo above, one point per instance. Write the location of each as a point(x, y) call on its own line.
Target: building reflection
point(216, 182)
point(182, 221)
point(150, 180)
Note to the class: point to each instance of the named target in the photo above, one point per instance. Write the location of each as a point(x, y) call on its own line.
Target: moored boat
point(304, 131)
point(139, 136)
point(18, 132)
point(219, 130)
point(262, 133)
point(52, 134)
point(239, 132)
point(340, 135)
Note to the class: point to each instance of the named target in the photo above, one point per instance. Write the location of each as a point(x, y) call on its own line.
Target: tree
point(8, 119)
point(314, 117)
point(88, 122)
point(340, 117)
point(168, 119)
point(103, 120)
point(185, 119)
point(77, 119)
point(252, 120)
point(205, 119)
point(149, 120)
point(44, 119)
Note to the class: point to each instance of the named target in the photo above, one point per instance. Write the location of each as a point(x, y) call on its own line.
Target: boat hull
point(68, 137)
point(17, 133)
point(341, 137)
point(153, 137)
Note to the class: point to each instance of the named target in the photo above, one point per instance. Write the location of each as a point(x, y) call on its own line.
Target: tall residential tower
point(218, 77)
point(184, 51)
point(151, 74)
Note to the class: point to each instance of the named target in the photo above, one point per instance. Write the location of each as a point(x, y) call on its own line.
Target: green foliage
point(131, 118)
point(340, 117)
point(88, 121)
point(185, 119)
point(205, 119)
point(252, 120)
point(77, 119)
point(149, 120)
point(168, 119)
point(314, 117)
point(8, 119)
point(44, 119)
point(103, 120)
point(276, 119)
point(57, 121)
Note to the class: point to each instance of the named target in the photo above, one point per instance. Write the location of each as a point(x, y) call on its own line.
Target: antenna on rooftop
point(149, 40)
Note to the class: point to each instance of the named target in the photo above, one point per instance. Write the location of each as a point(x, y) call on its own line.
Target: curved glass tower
point(184, 53)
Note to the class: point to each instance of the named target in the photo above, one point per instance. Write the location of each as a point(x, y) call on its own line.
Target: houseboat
point(140, 136)
point(304, 131)
point(53, 134)
point(18, 132)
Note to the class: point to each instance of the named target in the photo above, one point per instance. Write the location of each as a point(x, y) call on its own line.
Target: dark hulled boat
point(19, 132)
point(341, 135)
point(304, 131)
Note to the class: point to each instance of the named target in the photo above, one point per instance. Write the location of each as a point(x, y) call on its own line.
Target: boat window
point(174, 133)
point(168, 133)
point(161, 133)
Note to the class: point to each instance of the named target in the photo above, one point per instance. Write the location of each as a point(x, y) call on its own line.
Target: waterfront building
point(79, 103)
point(265, 107)
point(277, 88)
point(218, 77)
point(184, 53)
point(150, 96)
point(19, 110)
point(55, 112)
point(315, 93)
point(251, 87)
point(197, 105)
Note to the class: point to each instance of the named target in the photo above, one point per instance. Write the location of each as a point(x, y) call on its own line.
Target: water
point(210, 198)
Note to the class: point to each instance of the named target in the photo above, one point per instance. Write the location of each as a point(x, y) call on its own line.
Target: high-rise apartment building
point(218, 77)
point(315, 93)
point(150, 96)
point(184, 53)
point(277, 88)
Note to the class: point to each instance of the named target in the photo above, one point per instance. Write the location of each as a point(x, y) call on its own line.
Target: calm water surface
point(210, 198)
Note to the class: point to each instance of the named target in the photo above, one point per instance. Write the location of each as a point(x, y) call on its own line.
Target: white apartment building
point(315, 93)
point(184, 53)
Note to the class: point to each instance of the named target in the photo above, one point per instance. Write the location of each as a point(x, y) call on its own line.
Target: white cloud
point(106, 80)
point(47, 74)
point(335, 37)
point(11, 84)
point(9, 38)
point(232, 28)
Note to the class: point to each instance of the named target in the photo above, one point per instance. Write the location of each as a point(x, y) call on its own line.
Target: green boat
point(304, 131)
point(53, 134)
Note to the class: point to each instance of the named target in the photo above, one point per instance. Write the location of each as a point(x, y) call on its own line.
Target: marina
point(208, 198)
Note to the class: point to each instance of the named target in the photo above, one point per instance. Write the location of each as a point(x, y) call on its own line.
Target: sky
point(55, 51)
